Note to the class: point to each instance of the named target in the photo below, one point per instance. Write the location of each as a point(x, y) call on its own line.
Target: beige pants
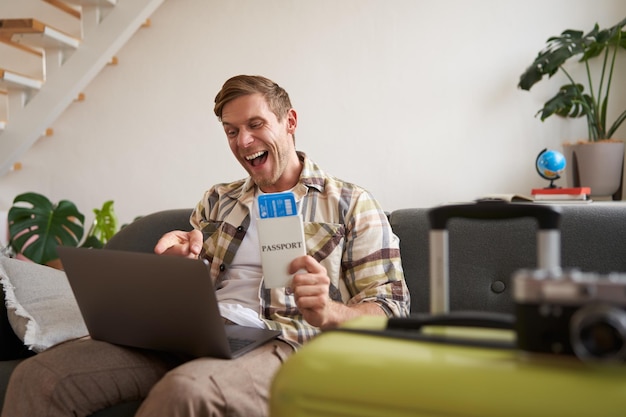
point(81, 377)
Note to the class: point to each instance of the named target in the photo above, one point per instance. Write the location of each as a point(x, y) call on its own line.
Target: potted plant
point(37, 227)
point(589, 99)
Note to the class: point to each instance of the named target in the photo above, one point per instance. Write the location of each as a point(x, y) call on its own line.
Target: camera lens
point(598, 331)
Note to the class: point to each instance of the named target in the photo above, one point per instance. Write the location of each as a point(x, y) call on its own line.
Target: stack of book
point(562, 195)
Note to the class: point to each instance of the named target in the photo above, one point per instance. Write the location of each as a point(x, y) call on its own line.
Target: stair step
point(22, 47)
point(4, 111)
point(88, 11)
point(85, 2)
point(35, 33)
point(14, 79)
point(22, 58)
point(73, 7)
point(65, 7)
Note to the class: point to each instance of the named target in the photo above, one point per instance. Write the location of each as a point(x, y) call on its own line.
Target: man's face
point(262, 144)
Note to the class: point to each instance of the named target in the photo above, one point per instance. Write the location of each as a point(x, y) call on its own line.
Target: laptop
point(158, 302)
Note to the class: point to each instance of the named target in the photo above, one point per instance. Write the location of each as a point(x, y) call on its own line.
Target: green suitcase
point(364, 373)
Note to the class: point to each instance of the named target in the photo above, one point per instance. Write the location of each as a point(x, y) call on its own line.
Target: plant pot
point(599, 165)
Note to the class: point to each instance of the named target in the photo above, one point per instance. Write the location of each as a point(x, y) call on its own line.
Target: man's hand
point(179, 243)
point(310, 287)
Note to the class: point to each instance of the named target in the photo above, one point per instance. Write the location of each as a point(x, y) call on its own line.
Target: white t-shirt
point(238, 298)
point(239, 295)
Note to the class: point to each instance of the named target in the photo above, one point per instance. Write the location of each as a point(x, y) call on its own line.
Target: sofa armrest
point(143, 234)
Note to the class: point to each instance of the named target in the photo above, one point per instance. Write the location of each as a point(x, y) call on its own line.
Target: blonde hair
point(242, 85)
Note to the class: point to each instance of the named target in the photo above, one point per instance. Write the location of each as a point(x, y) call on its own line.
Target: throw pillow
point(40, 304)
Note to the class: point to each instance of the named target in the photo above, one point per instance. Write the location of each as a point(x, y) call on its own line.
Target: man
point(352, 268)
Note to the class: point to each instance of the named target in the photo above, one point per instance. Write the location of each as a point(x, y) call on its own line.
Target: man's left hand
point(310, 287)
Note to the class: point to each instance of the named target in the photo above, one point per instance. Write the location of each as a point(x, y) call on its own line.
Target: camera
point(571, 313)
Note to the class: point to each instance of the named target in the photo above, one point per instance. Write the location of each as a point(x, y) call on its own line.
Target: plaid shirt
point(345, 230)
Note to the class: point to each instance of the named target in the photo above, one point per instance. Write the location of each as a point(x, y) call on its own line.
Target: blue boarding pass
point(277, 205)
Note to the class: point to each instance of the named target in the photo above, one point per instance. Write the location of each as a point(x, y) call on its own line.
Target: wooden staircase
point(44, 68)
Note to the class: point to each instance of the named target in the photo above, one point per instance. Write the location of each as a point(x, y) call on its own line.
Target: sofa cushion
point(41, 307)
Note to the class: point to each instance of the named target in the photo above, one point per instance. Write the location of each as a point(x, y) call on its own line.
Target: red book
point(574, 193)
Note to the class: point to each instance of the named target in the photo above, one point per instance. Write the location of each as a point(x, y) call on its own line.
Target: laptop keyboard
point(236, 343)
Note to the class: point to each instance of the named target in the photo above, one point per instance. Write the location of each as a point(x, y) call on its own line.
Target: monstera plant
point(572, 100)
point(37, 226)
point(597, 162)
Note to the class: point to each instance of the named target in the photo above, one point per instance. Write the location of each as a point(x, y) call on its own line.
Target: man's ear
point(292, 121)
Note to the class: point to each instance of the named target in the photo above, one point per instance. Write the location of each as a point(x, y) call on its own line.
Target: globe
point(550, 164)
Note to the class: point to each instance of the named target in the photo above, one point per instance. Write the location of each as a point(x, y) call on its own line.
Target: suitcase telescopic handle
point(548, 238)
point(481, 319)
point(548, 217)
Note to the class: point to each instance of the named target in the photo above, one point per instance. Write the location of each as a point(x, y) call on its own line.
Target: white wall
point(414, 99)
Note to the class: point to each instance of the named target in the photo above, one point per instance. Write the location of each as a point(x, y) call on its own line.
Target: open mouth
point(257, 158)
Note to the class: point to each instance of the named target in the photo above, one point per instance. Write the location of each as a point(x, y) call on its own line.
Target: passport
point(281, 237)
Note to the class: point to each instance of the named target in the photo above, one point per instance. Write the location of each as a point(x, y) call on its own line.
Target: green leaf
point(37, 227)
point(558, 50)
point(568, 102)
point(105, 223)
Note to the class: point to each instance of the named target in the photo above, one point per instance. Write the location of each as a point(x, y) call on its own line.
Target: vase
point(598, 165)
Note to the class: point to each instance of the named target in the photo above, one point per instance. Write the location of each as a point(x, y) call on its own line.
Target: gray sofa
point(483, 256)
